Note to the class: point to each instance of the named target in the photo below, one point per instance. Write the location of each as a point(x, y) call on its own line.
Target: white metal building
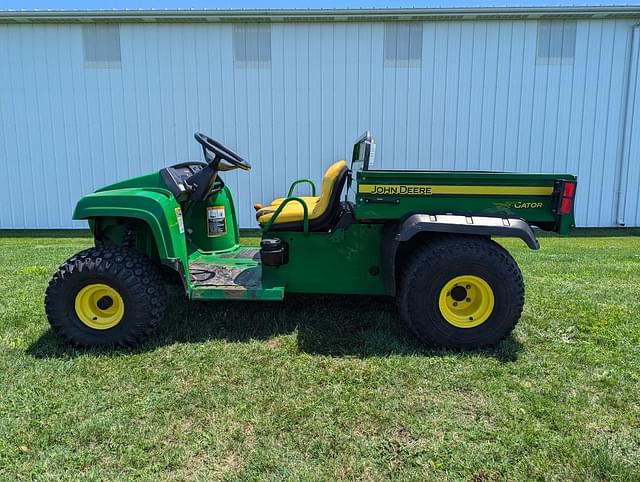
point(87, 98)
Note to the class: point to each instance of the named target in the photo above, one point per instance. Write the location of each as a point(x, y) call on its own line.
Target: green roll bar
point(305, 210)
point(301, 181)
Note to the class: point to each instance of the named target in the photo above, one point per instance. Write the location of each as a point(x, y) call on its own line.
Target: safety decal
point(180, 220)
point(216, 221)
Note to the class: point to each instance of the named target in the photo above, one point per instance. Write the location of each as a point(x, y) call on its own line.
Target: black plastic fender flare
point(396, 233)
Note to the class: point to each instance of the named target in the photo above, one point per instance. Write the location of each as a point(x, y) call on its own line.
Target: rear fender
point(395, 235)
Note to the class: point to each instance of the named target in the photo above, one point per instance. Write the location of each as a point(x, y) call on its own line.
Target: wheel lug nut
point(468, 300)
point(455, 303)
point(468, 286)
point(471, 318)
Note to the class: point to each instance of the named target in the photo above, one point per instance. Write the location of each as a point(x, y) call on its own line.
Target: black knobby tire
point(428, 269)
point(135, 278)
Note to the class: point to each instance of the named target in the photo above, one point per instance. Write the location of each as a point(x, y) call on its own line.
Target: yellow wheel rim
point(99, 306)
point(466, 301)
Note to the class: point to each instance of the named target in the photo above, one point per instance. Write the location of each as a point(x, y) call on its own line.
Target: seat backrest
point(329, 188)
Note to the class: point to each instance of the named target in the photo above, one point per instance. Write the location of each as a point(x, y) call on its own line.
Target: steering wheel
point(214, 153)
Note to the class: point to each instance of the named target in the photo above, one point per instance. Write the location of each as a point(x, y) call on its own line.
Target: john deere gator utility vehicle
point(423, 237)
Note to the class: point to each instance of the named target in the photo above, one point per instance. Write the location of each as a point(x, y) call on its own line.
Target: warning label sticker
point(216, 221)
point(180, 220)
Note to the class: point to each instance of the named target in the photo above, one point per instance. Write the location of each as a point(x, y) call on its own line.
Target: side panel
point(394, 194)
point(344, 262)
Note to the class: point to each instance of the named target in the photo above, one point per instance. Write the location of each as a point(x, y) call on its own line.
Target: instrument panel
point(176, 177)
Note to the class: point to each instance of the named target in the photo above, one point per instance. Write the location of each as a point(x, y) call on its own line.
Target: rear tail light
point(568, 193)
point(565, 206)
point(569, 189)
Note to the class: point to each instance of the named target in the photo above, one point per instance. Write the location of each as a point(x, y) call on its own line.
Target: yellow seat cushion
point(294, 211)
point(310, 200)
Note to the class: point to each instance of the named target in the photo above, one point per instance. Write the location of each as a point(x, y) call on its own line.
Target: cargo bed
point(535, 198)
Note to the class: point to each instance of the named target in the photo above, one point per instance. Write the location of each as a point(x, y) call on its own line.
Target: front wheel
point(105, 296)
point(461, 292)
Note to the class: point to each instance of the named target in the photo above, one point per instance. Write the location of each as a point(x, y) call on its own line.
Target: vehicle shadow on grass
point(325, 325)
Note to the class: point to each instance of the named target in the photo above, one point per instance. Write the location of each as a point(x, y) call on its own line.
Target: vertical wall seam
point(522, 61)
point(595, 115)
point(457, 102)
point(570, 113)
point(482, 91)
point(471, 61)
point(606, 127)
point(584, 97)
point(629, 116)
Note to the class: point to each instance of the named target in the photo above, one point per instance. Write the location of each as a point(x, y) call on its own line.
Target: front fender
point(156, 207)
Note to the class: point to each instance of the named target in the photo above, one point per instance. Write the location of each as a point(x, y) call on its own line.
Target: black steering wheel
point(215, 153)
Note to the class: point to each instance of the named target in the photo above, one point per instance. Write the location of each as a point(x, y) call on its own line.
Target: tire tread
point(450, 246)
point(140, 275)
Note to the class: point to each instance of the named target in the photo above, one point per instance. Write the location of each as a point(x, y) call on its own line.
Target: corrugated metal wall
point(477, 100)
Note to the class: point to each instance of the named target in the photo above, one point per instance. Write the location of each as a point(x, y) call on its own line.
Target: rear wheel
point(461, 292)
point(106, 296)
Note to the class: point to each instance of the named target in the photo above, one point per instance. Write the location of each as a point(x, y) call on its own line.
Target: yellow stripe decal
point(424, 190)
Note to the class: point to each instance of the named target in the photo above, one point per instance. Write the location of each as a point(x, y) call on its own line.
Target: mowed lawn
point(331, 387)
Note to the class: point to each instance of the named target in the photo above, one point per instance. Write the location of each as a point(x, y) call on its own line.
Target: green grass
point(331, 387)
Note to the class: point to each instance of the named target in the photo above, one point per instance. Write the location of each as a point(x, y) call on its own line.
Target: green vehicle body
point(359, 258)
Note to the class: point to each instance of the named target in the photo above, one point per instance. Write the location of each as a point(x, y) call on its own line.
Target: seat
point(307, 199)
point(321, 209)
